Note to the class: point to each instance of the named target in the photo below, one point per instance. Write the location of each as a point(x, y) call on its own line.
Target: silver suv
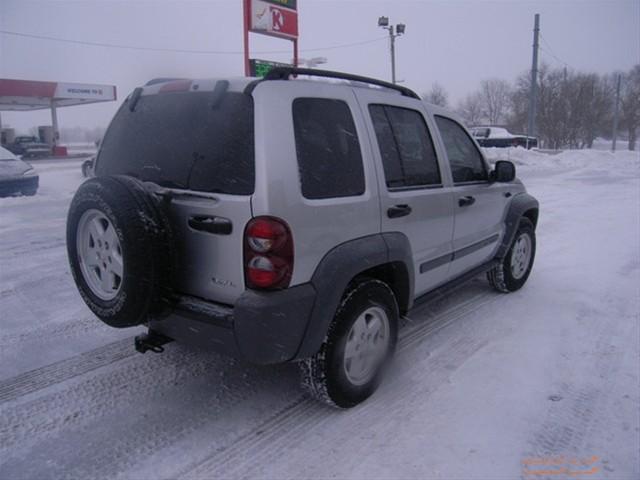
point(283, 219)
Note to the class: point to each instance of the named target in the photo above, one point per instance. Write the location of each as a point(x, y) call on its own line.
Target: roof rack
point(283, 73)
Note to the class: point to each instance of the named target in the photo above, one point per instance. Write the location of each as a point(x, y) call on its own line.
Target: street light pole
point(394, 31)
point(392, 40)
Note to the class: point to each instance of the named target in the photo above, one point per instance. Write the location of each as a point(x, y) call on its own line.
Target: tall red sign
point(276, 18)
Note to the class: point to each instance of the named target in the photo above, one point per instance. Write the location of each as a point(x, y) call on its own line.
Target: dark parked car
point(16, 177)
point(501, 138)
point(28, 146)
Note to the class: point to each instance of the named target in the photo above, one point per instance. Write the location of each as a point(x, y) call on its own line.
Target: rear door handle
point(398, 211)
point(209, 224)
point(466, 201)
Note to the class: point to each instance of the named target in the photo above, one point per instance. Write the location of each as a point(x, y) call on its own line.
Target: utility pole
point(394, 31)
point(392, 42)
point(531, 128)
point(616, 112)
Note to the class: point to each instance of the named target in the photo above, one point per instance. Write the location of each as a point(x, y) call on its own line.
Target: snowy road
point(540, 383)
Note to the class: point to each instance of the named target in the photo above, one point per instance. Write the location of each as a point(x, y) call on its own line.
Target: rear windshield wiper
point(218, 93)
point(133, 99)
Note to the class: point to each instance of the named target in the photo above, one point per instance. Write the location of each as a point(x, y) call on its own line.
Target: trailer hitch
point(151, 341)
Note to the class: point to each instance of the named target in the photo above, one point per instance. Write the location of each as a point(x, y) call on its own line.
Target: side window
point(466, 161)
point(329, 156)
point(408, 155)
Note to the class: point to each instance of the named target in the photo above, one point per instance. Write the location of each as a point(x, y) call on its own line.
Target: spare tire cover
point(119, 247)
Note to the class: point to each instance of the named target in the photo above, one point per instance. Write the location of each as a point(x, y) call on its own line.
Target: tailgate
point(195, 139)
point(208, 244)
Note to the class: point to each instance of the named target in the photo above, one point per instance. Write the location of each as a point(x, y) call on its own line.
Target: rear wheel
point(100, 254)
point(512, 273)
point(360, 342)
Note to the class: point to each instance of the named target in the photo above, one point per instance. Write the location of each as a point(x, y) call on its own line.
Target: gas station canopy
point(26, 95)
point(32, 95)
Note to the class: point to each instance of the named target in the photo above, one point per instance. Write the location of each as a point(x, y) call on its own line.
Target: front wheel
point(513, 271)
point(360, 342)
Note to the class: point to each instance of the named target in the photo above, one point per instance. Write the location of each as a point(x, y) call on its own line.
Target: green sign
point(259, 68)
point(292, 4)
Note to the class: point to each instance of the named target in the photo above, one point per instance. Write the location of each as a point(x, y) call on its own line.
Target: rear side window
point(466, 161)
point(408, 155)
point(181, 140)
point(329, 156)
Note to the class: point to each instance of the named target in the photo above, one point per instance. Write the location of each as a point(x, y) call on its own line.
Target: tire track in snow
point(285, 429)
point(440, 369)
point(136, 400)
point(49, 333)
point(46, 376)
point(87, 400)
point(577, 414)
point(38, 247)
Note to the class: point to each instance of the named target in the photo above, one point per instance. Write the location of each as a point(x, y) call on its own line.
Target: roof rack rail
point(283, 73)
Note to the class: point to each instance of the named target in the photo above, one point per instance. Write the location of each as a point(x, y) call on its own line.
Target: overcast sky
point(456, 43)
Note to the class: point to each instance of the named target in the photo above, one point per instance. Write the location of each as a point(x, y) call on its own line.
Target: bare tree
point(437, 95)
point(496, 97)
point(552, 117)
point(519, 104)
point(573, 108)
point(470, 109)
point(630, 104)
point(597, 103)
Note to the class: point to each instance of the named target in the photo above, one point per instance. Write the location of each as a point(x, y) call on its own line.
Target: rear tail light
point(268, 253)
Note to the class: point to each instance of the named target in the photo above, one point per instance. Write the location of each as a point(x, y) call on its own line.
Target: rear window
point(408, 155)
point(181, 140)
point(329, 157)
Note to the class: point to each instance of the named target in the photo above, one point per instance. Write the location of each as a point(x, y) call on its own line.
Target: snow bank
point(565, 160)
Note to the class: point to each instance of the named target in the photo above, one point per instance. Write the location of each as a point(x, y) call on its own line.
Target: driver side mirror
point(504, 171)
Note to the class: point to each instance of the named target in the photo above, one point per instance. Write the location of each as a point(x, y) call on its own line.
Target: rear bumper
point(262, 327)
point(9, 186)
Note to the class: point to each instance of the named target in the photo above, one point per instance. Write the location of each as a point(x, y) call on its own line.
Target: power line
point(180, 50)
point(549, 50)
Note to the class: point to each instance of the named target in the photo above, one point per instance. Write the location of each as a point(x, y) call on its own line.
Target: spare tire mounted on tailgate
point(119, 247)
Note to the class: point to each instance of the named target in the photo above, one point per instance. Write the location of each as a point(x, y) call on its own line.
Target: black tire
point(323, 375)
point(145, 238)
point(501, 277)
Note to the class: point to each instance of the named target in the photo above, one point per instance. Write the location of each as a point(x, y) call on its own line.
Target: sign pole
point(295, 52)
point(247, 18)
point(276, 18)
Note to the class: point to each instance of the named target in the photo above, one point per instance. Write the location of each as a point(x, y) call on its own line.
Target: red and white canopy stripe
point(36, 95)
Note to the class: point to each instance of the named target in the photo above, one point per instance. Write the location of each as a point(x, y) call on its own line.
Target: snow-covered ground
point(540, 383)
